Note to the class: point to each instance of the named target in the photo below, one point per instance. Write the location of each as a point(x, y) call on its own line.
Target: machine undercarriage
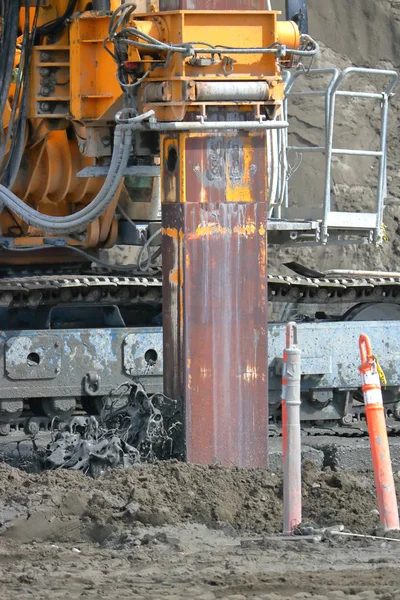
point(96, 313)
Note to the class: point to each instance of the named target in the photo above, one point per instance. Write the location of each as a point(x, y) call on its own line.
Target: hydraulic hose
point(78, 221)
point(10, 34)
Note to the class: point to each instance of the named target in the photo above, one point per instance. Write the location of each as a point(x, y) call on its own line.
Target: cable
point(54, 26)
point(189, 49)
point(17, 124)
point(79, 220)
point(90, 257)
point(145, 248)
point(8, 38)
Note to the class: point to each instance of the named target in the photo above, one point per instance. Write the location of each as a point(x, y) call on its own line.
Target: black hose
point(132, 269)
point(17, 126)
point(56, 25)
point(10, 22)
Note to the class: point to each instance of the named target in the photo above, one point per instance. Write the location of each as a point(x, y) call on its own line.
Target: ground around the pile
point(174, 530)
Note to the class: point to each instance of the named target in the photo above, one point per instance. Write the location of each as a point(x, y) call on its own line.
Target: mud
point(173, 530)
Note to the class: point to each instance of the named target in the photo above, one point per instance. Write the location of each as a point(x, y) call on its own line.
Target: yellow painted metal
point(250, 29)
point(94, 86)
point(71, 78)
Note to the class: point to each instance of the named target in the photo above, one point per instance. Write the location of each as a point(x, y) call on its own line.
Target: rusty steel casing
point(215, 295)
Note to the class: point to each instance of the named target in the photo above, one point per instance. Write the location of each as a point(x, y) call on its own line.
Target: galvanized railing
point(368, 224)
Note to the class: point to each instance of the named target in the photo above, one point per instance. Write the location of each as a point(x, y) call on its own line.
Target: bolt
point(106, 140)
point(44, 56)
point(45, 107)
point(5, 428)
point(6, 297)
point(57, 370)
point(45, 91)
point(45, 71)
point(32, 428)
point(347, 419)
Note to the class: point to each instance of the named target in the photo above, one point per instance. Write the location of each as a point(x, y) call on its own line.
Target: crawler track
point(290, 297)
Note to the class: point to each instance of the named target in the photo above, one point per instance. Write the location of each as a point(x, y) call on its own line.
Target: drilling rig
point(144, 172)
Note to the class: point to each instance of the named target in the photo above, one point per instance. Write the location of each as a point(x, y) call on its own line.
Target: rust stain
point(262, 230)
point(170, 232)
point(245, 230)
point(250, 373)
point(174, 276)
point(240, 190)
point(211, 229)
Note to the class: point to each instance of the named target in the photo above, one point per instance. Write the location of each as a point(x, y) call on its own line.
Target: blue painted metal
point(330, 358)
point(66, 357)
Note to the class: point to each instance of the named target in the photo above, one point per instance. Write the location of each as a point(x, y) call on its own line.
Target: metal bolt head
point(32, 428)
point(4, 428)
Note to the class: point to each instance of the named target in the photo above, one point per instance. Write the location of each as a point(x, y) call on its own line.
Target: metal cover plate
point(36, 357)
point(143, 353)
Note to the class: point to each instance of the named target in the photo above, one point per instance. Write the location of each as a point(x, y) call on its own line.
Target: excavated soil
point(174, 530)
point(59, 505)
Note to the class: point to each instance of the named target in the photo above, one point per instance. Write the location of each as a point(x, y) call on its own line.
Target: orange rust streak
point(172, 233)
point(245, 230)
point(174, 276)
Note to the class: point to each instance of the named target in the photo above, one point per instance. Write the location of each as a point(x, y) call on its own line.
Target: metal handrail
point(289, 82)
point(381, 154)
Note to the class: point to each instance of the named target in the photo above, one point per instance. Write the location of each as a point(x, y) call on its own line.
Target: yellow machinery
point(122, 125)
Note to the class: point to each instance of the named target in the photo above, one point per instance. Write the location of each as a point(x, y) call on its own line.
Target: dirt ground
point(174, 530)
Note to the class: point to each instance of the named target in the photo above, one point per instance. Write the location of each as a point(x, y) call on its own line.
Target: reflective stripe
point(371, 377)
point(373, 397)
point(370, 386)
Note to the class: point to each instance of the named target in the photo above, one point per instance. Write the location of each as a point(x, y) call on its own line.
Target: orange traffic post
point(376, 421)
point(291, 434)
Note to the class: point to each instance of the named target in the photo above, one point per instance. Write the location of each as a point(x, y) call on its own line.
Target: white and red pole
point(291, 434)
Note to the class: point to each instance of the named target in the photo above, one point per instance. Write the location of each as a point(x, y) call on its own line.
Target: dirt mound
point(361, 33)
point(67, 506)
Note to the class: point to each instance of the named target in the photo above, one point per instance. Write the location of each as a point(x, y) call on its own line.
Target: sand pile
point(362, 33)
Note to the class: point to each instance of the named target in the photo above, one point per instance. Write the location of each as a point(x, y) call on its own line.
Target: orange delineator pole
point(376, 421)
